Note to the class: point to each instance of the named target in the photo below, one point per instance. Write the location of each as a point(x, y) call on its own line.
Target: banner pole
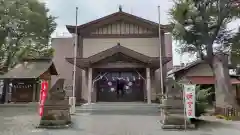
point(160, 60)
point(73, 98)
point(185, 114)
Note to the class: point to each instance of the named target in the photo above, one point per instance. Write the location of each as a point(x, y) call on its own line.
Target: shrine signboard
point(43, 96)
point(189, 100)
point(22, 85)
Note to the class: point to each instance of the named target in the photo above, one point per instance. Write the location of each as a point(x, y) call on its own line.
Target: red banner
point(43, 95)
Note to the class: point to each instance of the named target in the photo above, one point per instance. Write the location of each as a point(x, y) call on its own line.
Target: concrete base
point(72, 103)
point(87, 104)
point(173, 114)
point(176, 121)
point(178, 127)
point(48, 124)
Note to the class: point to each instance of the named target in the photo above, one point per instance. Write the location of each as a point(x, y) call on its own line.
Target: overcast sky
point(93, 9)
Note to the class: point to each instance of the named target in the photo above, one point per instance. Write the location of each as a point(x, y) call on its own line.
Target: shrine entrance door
point(120, 86)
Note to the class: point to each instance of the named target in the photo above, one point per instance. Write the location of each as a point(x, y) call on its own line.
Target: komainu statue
point(57, 92)
point(173, 108)
point(56, 108)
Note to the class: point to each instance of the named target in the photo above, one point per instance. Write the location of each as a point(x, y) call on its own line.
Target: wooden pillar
point(37, 86)
point(89, 85)
point(5, 90)
point(148, 85)
point(34, 92)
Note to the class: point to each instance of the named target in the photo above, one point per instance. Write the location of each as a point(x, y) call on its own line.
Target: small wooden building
point(24, 79)
point(199, 72)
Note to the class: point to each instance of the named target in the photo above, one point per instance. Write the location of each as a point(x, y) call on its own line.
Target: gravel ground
point(106, 119)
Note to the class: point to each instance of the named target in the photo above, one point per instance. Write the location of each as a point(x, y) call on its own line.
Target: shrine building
point(117, 59)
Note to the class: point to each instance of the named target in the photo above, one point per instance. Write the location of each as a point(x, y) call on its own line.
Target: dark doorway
point(126, 86)
point(2, 93)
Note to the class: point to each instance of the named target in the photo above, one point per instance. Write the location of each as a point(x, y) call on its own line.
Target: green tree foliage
point(202, 100)
point(199, 24)
point(25, 31)
point(235, 48)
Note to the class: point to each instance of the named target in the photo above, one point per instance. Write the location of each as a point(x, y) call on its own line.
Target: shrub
point(202, 96)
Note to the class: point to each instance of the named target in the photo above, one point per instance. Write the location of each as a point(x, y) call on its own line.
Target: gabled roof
point(31, 68)
point(188, 66)
point(85, 62)
point(120, 49)
point(191, 65)
point(116, 17)
point(209, 79)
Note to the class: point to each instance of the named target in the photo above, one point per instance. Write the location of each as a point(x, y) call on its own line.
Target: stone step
point(120, 106)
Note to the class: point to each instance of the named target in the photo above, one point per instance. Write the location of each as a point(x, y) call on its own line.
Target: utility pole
point(73, 98)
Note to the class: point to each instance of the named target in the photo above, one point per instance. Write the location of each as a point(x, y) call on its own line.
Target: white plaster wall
point(63, 47)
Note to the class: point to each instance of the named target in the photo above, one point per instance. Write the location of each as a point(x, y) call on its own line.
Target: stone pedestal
point(174, 118)
point(56, 113)
point(173, 108)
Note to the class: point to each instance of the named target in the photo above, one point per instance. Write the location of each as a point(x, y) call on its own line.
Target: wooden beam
point(119, 65)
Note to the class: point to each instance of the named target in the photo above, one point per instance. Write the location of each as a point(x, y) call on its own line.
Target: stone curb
point(19, 105)
point(25, 105)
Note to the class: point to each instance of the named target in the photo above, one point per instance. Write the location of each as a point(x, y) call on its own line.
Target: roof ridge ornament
point(120, 8)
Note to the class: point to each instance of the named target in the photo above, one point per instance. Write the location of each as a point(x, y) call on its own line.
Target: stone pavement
point(105, 119)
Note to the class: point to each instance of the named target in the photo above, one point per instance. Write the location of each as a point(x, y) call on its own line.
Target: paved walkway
point(105, 119)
